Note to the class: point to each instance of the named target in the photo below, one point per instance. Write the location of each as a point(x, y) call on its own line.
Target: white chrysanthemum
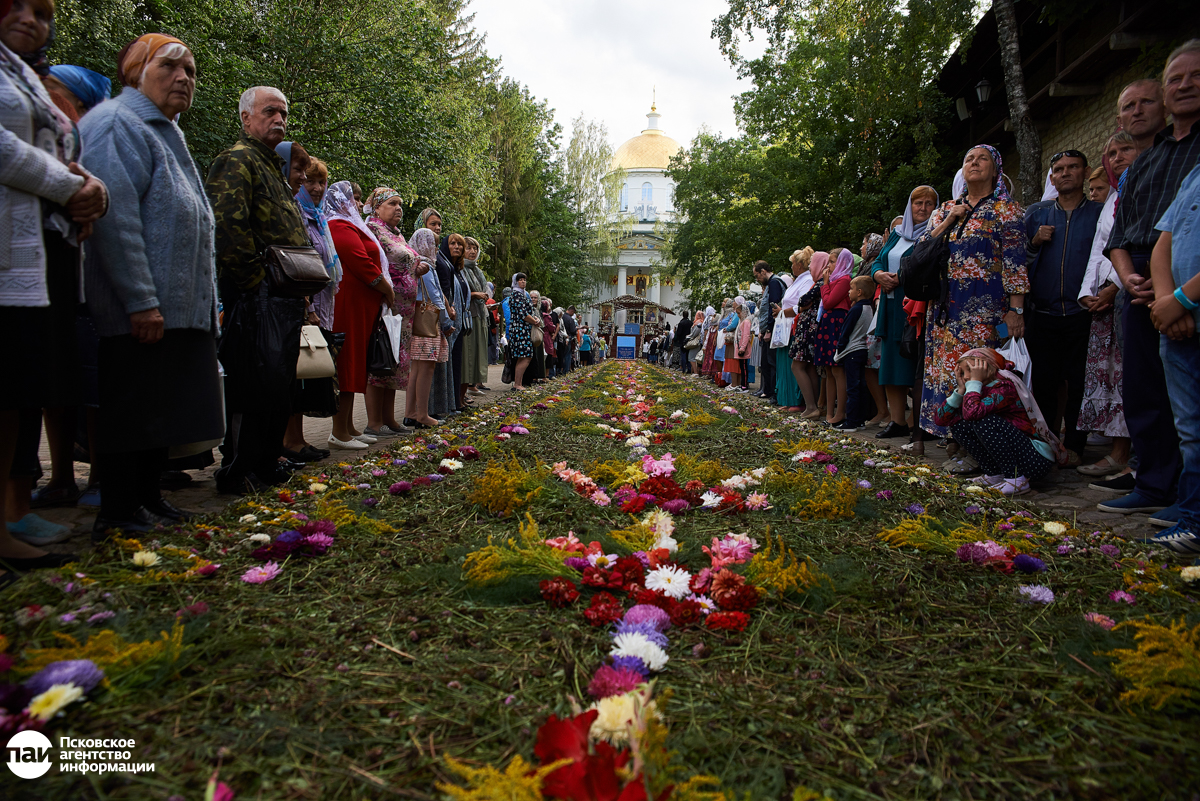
point(146, 558)
point(615, 718)
point(247, 519)
point(801, 455)
point(672, 581)
point(735, 482)
point(1190, 574)
point(758, 473)
point(1055, 528)
point(637, 442)
point(634, 644)
point(317, 486)
point(923, 470)
point(634, 425)
point(260, 538)
point(451, 464)
point(974, 489)
point(710, 500)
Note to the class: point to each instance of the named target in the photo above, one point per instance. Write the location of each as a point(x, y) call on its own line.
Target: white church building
point(648, 195)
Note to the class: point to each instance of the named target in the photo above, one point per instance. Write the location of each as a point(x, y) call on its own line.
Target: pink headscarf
point(845, 261)
point(1004, 369)
point(816, 265)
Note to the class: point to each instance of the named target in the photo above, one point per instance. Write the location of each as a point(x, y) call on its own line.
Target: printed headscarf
point(338, 204)
point(1000, 190)
point(875, 245)
point(333, 264)
point(90, 87)
point(1004, 369)
point(912, 231)
point(424, 216)
point(139, 54)
point(845, 263)
point(379, 196)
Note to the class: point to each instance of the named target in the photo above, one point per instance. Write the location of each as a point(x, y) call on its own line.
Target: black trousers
point(259, 441)
point(130, 481)
point(1058, 350)
point(1147, 405)
point(767, 367)
point(855, 365)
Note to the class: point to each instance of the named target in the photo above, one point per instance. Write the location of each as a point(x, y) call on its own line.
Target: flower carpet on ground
point(626, 585)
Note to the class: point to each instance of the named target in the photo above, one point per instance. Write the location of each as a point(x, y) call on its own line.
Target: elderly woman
point(522, 321)
point(799, 305)
point(82, 88)
point(309, 197)
point(366, 285)
point(447, 397)
point(986, 277)
point(537, 364)
point(871, 247)
point(835, 291)
point(295, 164)
point(424, 352)
point(897, 372)
point(152, 291)
point(404, 267)
point(475, 349)
point(47, 206)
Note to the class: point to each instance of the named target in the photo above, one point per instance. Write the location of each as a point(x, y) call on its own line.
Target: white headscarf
point(1049, 192)
point(960, 184)
point(338, 204)
point(910, 230)
point(513, 286)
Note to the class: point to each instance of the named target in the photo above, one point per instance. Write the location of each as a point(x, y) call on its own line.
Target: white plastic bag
point(1014, 350)
point(395, 325)
point(781, 334)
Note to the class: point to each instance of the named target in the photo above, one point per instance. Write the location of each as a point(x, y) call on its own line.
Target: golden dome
point(653, 150)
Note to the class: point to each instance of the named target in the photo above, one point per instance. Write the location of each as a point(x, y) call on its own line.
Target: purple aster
point(864, 484)
point(99, 616)
point(1110, 550)
point(646, 613)
point(1063, 550)
point(370, 501)
point(675, 506)
point(579, 563)
point(633, 663)
point(972, 509)
point(647, 628)
point(643, 557)
point(326, 527)
point(83, 673)
point(400, 487)
point(915, 509)
point(884, 495)
point(290, 537)
point(399, 462)
point(364, 486)
point(1028, 564)
point(436, 477)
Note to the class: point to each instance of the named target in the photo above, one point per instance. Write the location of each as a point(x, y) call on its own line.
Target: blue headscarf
point(91, 88)
point(333, 264)
point(284, 151)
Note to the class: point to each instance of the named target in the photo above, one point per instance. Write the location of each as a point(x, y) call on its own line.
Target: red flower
point(559, 592)
point(694, 486)
point(740, 599)
point(728, 621)
point(599, 577)
point(422, 481)
point(632, 572)
point(285, 496)
point(604, 609)
point(655, 598)
point(453, 453)
point(664, 487)
point(685, 613)
point(593, 776)
point(634, 505)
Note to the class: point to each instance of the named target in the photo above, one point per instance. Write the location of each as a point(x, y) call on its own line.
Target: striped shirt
point(1151, 183)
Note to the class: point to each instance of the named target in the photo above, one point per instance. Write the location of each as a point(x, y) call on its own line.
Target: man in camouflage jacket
point(253, 208)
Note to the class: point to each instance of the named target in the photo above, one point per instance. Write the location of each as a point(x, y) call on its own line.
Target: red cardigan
point(356, 304)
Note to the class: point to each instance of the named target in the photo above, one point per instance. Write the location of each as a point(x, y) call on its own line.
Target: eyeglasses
point(1075, 154)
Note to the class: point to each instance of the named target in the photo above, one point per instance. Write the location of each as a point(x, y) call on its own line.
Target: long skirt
point(787, 391)
point(475, 353)
point(1000, 448)
point(1102, 408)
point(710, 347)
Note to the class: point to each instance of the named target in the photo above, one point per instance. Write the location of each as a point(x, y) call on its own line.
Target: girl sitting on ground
point(996, 419)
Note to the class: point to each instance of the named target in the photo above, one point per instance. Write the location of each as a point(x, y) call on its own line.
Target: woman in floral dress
point(987, 277)
point(404, 265)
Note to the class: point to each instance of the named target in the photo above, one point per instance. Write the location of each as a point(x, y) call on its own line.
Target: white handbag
point(781, 333)
point(315, 360)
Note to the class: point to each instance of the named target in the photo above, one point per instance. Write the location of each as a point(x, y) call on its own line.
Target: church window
point(647, 193)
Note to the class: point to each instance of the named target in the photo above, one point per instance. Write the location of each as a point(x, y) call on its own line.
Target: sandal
point(1105, 467)
point(914, 448)
point(963, 467)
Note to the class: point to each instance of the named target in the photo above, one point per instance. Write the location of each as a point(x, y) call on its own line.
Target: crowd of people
point(1072, 319)
point(154, 313)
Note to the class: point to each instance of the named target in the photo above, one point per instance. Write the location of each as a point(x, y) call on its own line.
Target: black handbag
point(923, 272)
point(908, 342)
point(294, 272)
point(381, 362)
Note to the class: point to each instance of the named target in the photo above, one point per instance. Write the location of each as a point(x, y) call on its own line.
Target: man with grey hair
point(253, 209)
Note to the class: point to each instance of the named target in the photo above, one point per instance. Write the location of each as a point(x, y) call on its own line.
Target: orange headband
point(138, 55)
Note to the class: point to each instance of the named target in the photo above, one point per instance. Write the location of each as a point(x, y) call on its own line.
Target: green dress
point(894, 369)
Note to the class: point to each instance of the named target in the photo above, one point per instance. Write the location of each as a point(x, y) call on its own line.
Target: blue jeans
point(1181, 363)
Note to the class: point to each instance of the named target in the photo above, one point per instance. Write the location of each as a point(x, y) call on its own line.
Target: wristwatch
point(1017, 309)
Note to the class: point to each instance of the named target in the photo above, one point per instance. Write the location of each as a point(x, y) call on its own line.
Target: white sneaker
point(350, 445)
point(1014, 486)
point(367, 438)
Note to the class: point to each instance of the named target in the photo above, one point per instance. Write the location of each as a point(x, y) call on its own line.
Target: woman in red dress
point(365, 287)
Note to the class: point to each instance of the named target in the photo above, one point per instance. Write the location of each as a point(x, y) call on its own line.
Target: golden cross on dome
point(653, 98)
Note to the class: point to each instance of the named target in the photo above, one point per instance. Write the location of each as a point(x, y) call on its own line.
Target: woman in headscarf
point(897, 372)
point(46, 209)
point(475, 349)
point(836, 303)
point(698, 335)
point(726, 342)
point(446, 398)
point(425, 353)
point(366, 286)
point(986, 279)
point(81, 87)
point(295, 164)
point(522, 320)
point(309, 198)
point(384, 213)
point(537, 365)
point(711, 323)
point(871, 247)
point(993, 416)
point(151, 291)
point(549, 341)
point(1103, 410)
point(740, 347)
point(800, 304)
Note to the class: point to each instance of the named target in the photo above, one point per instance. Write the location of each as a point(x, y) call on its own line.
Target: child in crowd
point(994, 416)
point(851, 353)
point(1175, 272)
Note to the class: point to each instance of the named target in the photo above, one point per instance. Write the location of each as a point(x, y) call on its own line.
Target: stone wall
point(1085, 123)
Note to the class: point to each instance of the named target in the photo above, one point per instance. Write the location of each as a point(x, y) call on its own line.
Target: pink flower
point(262, 573)
point(658, 467)
point(610, 681)
point(1121, 595)
point(207, 570)
point(757, 501)
point(1103, 621)
point(600, 498)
